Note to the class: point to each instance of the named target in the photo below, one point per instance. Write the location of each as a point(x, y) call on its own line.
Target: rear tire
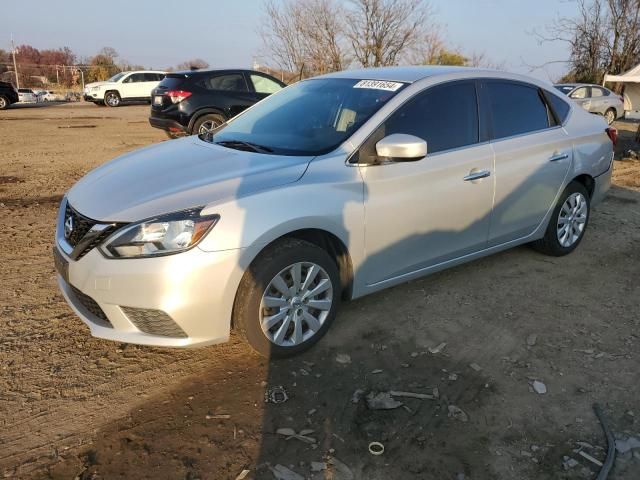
point(568, 222)
point(207, 123)
point(294, 331)
point(4, 102)
point(610, 116)
point(112, 99)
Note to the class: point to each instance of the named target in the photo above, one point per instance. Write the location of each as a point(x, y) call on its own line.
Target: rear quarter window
point(559, 106)
point(172, 82)
point(516, 109)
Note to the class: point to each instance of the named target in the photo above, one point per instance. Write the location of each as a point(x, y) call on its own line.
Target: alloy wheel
point(296, 304)
point(112, 100)
point(208, 127)
point(610, 116)
point(572, 219)
point(3, 103)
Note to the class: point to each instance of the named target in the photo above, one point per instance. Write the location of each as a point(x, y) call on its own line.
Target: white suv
point(122, 87)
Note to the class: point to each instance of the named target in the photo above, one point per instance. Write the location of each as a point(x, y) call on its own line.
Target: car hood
point(98, 84)
point(176, 175)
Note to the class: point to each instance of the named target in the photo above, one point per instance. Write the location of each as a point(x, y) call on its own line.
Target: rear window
point(172, 82)
point(566, 89)
point(559, 106)
point(516, 109)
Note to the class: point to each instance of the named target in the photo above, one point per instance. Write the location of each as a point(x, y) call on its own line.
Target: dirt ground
point(77, 407)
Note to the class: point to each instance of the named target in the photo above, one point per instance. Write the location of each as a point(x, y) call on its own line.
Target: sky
point(159, 33)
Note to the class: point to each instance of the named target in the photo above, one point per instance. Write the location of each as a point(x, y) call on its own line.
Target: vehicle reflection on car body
point(333, 188)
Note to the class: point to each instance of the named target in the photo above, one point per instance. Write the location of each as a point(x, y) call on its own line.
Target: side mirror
point(400, 147)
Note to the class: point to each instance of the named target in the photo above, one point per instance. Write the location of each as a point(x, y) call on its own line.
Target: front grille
point(81, 225)
point(92, 307)
point(154, 322)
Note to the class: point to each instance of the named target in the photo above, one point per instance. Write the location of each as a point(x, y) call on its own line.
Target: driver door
point(422, 213)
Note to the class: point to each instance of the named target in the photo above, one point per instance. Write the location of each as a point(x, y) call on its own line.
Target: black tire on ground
point(4, 102)
point(549, 244)
point(213, 119)
point(275, 258)
point(112, 99)
point(610, 115)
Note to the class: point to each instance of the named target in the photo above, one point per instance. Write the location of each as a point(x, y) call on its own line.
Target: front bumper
point(194, 292)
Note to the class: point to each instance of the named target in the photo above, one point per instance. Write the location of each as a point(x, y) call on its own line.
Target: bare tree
point(383, 32)
point(304, 35)
point(602, 38)
point(193, 64)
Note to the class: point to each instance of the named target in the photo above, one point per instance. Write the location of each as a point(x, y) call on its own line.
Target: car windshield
point(311, 117)
point(566, 89)
point(116, 77)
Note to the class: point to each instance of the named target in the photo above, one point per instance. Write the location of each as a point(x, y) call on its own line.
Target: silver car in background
point(595, 99)
point(333, 188)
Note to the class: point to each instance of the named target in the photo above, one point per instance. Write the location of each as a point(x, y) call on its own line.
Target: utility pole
point(15, 66)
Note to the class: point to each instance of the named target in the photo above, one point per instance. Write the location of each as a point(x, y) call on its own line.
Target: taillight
point(177, 96)
point(612, 132)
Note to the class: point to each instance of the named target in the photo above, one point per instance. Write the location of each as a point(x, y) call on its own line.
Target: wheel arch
point(587, 181)
point(204, 111)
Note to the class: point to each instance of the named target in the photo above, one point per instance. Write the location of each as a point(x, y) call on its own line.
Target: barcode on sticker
point(378, 84)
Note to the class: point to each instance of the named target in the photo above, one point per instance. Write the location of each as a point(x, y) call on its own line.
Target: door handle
point(559, 156)
point(477, 175)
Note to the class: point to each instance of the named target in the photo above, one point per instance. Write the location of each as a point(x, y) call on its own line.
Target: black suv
point(199, 101)
point(8, 95)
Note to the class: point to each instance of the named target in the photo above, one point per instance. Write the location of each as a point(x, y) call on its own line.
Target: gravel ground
point(78, 407)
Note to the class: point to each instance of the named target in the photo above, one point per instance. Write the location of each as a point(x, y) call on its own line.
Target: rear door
point(228, 91)
point(532, 157)
point(582, 96)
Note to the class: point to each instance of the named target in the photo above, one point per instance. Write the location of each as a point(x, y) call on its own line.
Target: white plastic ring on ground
point(376, 448)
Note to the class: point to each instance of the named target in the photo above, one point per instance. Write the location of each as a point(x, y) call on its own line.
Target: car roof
point(403, 74)
point(145, 71)
point(214, 70)
point(574, 85)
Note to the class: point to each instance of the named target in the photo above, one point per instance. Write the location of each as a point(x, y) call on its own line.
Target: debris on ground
point(303, 435)
point(376, 448)
point(457, 413)
point(582, 453)
point(243, 474)
point(453, 377)
point(568, 462)
point(318, 466)
point(276, 394)
point(376, 371)
point(422, 396)
point(437, 349)
point(339, 470)
point(532, 339)
point(217, 417)
point(357, 395)
point(343, 358)
point(539, 387)
point(382, 401)
point(475, 367)
point(623, 446)
point(280, 472)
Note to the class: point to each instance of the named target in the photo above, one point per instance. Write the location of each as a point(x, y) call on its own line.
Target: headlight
point(163, 235)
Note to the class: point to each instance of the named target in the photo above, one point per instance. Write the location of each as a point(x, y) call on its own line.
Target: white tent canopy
point(631, 81)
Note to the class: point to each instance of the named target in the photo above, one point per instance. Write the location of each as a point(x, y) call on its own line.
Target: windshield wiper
point(240, 145)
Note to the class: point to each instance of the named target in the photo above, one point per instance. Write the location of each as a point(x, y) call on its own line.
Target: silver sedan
point(331, 189)
point(595, 99)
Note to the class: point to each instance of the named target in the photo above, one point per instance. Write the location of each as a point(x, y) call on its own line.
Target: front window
point(311, 117)
point(116, 77)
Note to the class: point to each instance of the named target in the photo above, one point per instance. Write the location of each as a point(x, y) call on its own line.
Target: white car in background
point(123, 86)
point(26, 95)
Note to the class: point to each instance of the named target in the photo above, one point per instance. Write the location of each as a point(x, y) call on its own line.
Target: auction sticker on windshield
point(378, 85)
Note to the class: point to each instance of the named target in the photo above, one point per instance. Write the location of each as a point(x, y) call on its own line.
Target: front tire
point(568, 222)
point(287, 299)
point(610, 116)
point(112, 99)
